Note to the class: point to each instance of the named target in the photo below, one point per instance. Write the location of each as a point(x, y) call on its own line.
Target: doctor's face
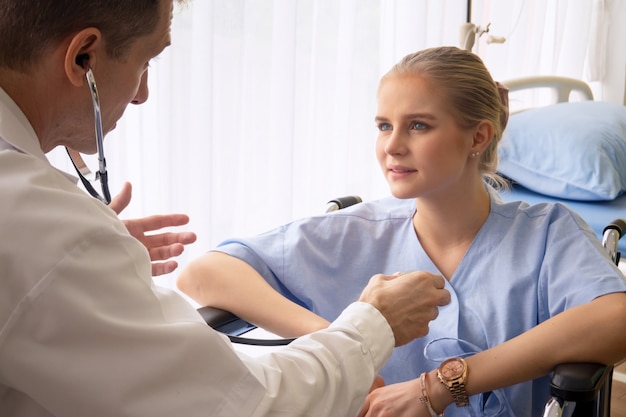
point(124, 81)
point(421, 149)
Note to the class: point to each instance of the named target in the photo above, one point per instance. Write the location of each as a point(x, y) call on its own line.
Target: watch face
point(452, 368)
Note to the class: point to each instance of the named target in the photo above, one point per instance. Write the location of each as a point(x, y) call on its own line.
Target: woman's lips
point(400, 171)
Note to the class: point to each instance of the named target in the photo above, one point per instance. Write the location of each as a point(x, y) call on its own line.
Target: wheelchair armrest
point(232, 326)
point(579, 382)
point(224, 321)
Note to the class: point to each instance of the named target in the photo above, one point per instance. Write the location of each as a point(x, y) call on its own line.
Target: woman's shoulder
point(523, 208)
point(371, 217)
point(547, 214)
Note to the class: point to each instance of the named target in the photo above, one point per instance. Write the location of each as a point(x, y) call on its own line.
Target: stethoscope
point(76, 158)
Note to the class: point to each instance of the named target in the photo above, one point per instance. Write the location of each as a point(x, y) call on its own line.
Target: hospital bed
point(568, 149)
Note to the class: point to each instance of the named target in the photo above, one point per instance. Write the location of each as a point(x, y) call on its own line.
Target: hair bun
point(503, 93)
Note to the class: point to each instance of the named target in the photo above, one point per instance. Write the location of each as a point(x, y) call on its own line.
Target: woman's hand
point(161, 246)
point(396, 400)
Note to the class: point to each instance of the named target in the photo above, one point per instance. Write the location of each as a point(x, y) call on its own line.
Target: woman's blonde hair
point(472, 93)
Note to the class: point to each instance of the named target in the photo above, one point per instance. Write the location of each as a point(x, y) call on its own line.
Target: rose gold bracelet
point(424, 397)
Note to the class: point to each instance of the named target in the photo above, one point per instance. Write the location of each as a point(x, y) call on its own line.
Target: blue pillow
point(574, 150)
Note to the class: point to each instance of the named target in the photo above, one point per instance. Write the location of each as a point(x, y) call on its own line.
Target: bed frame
point(562, 87)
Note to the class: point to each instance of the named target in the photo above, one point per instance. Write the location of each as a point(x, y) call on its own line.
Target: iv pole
point(468, 30)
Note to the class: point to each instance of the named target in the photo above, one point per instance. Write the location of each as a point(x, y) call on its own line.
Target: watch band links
point(459, 394)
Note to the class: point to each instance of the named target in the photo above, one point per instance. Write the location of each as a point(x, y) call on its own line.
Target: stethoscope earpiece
point(83, 60)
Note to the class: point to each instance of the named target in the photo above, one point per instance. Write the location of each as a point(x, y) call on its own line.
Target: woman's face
point(421, 149)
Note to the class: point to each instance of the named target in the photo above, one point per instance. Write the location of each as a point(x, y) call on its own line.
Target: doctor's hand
point(161, 246)
point(409, 301)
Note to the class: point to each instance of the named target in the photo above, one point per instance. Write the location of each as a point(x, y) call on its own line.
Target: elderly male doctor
point(83, 330)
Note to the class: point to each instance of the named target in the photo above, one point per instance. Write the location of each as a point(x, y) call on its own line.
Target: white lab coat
point(85, 332)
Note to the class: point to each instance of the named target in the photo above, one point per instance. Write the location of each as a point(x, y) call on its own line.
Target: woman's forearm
point(593, 332)
point(220, 280)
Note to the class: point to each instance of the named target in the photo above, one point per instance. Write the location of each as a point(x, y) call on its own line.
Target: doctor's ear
point(80, 54)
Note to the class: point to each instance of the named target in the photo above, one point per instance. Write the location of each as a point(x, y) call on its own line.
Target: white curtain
point(261, 111)
point(582, 39)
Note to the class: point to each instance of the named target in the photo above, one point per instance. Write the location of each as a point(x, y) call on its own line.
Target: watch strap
point(459, 394)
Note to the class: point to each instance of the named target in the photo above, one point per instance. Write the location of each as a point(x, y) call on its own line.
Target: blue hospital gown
point(526, 264)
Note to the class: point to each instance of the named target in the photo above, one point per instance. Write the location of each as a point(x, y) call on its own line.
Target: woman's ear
point(483, 135)
point(81, 54)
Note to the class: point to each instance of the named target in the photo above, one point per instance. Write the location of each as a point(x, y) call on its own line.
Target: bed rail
point(563, 86)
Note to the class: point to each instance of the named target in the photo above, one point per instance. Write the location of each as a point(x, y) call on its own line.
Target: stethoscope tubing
point(101, 174)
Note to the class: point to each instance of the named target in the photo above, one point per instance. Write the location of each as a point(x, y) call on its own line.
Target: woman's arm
point(219, 280)
point(592, 332)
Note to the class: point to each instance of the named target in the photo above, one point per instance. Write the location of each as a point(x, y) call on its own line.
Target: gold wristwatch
point(453, 374)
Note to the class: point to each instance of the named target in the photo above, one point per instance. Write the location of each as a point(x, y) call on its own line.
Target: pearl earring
point(475, 154)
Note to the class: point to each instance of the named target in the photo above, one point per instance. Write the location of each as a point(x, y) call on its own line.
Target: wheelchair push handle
point(618, 224)
point(611, 236)
point(342, 202)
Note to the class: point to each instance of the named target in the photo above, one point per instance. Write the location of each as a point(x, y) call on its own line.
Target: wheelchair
point(576, 389)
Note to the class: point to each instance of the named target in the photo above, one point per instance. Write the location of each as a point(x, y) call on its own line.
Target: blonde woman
point(531, 286)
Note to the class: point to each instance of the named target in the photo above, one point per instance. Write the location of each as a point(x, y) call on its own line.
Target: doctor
point(83, 330)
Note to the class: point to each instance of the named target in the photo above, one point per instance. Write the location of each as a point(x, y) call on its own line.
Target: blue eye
point(418, 126)
point(384, 127)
